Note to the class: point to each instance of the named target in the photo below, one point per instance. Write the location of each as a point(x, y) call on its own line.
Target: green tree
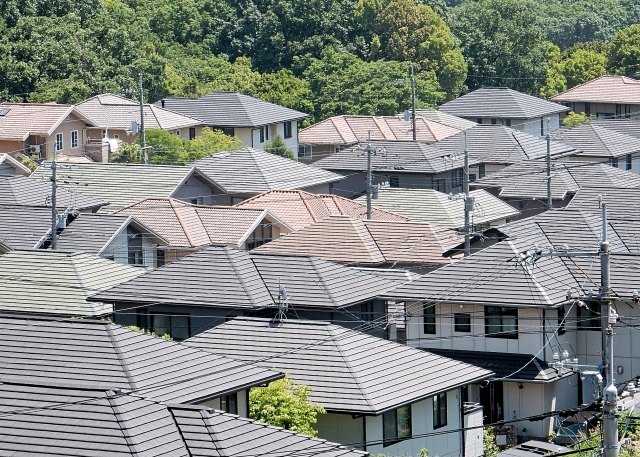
point(210, 142)
point(576, 119)
point(126, 153)
point(580, 66)
point(491, 449)
point(284, 403)
point(624, 52)
point(278, 147)
point(171, 149)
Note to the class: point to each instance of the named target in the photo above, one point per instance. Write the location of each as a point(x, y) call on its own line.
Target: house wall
point(321, 188)
point(250, 137)
point(621, 161)
point(118, 248)
point(72, 122)
point(243, 406)
point(473, 436)
point(194, 188)
point(536, 126)
point(355, 183)
point(13, 148)
point(341, 428)
point(603, 108)
point(320, 151)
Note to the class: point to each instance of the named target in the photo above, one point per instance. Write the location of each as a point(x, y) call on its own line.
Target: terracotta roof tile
point(24, 119)
point(605, 89)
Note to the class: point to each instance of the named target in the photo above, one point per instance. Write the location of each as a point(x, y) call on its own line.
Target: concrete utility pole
point(143, 140)
point(468, 202)
point(369, 176)
point(413, 103)
point(54, 209)
point(549, 198)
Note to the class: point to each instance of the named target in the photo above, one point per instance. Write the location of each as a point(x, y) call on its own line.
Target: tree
point(171, 149)
point(278, 147)
point(210, 142)
point(284, 403)
point(126, 153)
point(624, 52)
point(576, 119)
point(578, 67)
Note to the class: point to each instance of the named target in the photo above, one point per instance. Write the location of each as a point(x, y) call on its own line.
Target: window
point(456, 178)
point(394, 181)
point(116, 136)
point(367, 312)
point(541, 127)
point(613, 161)
point(288, 133)
point(396, 425)
point(462, 322)
point(472, 177)
point(587, 108)
point(494, 121)
point(628, 162)
point(177, 326)
point(266, 133)
point(481, 171)
point(229, 131)
point(196, 201)
point(507, 122)
point(177, 132)
point(192, 133)
point(589, 318)
point(74, 138)
point(479, 120)
point(500, 322)
point(561, 327)
point(261, 235)
point(236, 200)
point(160, 261)
point(304, 151)
point(59, 143)
point(618, 111)
point(440, 410)
point(262, 129)
point(430, 319)
point(229, 403)
point(134, 247)
point(521, 205)
point(627, 111)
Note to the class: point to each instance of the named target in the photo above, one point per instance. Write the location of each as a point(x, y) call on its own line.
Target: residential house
point(188, 227)
point(351, 241)
point(248, 172)
point(10, 166)
point(501, 105)
point(122, 239)
point(246, 284)
point(446, 119)
point(437, 166)
point(299, 208)
point(255, 122)
point(387, 395)
point(110, 119)
point(93, 353)
point(498, 300)
point(339, 132)
point(58, 282)
point(444, 210)
point(608, 96)
point(524, 185)
point(64, 420)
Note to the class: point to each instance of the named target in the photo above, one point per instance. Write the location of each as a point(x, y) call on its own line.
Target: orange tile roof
point(299, 209)
point(24, 119)
point(348, 130)
point(604, 89)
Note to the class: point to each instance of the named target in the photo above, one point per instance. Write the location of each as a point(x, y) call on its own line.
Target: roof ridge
point(597, 134)
point(311, 213)
point(246, 290)
point(529, 272)
point(181, 222)
point(353, 221)
point(347, 362)
point(321, 282)
point(338, 130)
point(118, 350)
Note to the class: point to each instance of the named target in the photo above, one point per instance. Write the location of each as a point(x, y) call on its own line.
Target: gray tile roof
point(348, 371)
point(622, 202)
point(500, 102)
point(231, 109)
point(121, 184)
point(596, 140)
point(445, 118)
point(528, 179)
point(97, 354)
point(428, 205)
point(629, 127)
point(24, 227)
point(251, 171)
point(250, 281)
point(9, 165)
point(58, 282)
point(20, 190)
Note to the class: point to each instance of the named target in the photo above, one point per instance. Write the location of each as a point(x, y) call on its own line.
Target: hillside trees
point(579, 66)
point(624, 51)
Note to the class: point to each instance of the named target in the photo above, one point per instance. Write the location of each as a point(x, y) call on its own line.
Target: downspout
point(463, 444)
point(544, 335)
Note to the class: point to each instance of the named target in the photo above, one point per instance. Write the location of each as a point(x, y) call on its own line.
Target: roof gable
point(595, 140)
point(25, 119)
point(7, 163)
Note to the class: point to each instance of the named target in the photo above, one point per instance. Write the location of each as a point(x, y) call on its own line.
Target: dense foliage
point(324, 57)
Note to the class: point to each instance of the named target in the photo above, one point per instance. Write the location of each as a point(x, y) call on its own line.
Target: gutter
point(477, 303)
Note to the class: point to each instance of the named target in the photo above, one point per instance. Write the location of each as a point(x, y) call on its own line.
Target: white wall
point(341, 428)
point(119, 249)
point(243, 407)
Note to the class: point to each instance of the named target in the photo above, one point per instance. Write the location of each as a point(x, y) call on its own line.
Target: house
point(299, 208)
point(524, 185)
point(339, 132)
point(188, 227)
point(255, 122)
point(608, 96)
point(501, 105)
point(387, 395)
point(122, 239)
point(18, 190)
point(10, 166)
point(206, 288)
point(351, 241)
point(64, 420)
point(110, 119)
point(94, 353)
point(446, 119)
point(248, 172)
point(437, 166)
point(433, 207)
point(58, 282)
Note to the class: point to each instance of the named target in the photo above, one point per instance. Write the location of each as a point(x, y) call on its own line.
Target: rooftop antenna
point(283, 306)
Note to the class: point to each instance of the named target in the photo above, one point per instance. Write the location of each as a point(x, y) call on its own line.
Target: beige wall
point(66, 127)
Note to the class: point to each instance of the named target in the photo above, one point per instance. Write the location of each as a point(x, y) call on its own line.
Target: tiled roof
point(231, 109)
point(595, 140)
point(187, 225)
point(250, 281)
point(22, 191)
point(347, 240)
point(121, 184)
point(348, 371)
point(251, 171)
point(110, 111)
point(629, 127)
point(95, 353)
point(622, 202)
point(6, 161)
point(24, 227)
point(299, 208)
point(446, 119)
point(428, 205)
point(56, 282)
point(348, 130)
point(604, 89)
point(24, 119)
point(41, 420)
point(528, 179)
point(500, 102)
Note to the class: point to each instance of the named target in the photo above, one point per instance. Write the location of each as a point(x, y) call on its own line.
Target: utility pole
point(413, 103)
point(54, 209)
point(468, 203)
point(549, 198)
point(143, 141)
point(369, 176)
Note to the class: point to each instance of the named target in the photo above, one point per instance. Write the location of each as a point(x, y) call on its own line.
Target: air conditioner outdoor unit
point(34, 149)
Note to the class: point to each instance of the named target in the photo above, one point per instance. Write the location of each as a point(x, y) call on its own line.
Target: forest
point(323, 57)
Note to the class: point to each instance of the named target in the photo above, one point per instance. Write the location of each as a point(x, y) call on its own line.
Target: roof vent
point(5, 111)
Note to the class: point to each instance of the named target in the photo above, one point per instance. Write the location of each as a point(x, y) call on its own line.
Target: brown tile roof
point(299, 208)
point(352, 129)
point(605, 89)
point(344, 239)
point(185, 225)
point(24, 119)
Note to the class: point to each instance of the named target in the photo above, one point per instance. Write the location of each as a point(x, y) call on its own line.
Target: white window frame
point(59, 144)
point(305, 147)
point(74, 139)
